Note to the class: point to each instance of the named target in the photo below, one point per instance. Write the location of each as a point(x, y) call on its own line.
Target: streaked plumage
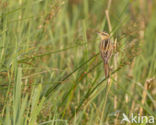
point(106, 49)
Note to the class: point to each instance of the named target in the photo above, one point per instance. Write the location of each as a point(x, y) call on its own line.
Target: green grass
point(51, 72)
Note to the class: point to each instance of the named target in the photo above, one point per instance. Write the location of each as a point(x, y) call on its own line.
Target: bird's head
point(103, 35)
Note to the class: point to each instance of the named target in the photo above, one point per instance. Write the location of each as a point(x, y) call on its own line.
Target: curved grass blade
point(48, 53)
point(58, 84)
point(78, 80)
point(90, 91)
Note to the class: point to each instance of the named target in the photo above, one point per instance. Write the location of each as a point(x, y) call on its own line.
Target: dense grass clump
point(51, 72)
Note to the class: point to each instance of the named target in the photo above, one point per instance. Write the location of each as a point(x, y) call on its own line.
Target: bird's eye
point(103, 34)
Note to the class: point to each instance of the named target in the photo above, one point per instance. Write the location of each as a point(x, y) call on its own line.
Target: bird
point(106, 50)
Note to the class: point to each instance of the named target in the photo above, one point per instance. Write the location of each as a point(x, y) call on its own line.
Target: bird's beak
point(98, 33)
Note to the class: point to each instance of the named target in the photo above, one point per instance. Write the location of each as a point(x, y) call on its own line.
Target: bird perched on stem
point(106, 49)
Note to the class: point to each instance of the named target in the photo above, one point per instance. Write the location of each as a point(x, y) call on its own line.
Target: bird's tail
point(106, 69)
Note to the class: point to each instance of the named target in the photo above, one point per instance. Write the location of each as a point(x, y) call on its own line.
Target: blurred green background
point(51, 72)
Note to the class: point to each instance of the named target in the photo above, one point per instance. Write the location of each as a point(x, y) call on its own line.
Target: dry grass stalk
point(144, 94)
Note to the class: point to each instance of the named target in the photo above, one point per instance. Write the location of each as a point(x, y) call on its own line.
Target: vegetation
point(51, 72)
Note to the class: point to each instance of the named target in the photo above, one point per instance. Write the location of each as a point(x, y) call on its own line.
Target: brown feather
point(106, 69)
point(106, 49)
